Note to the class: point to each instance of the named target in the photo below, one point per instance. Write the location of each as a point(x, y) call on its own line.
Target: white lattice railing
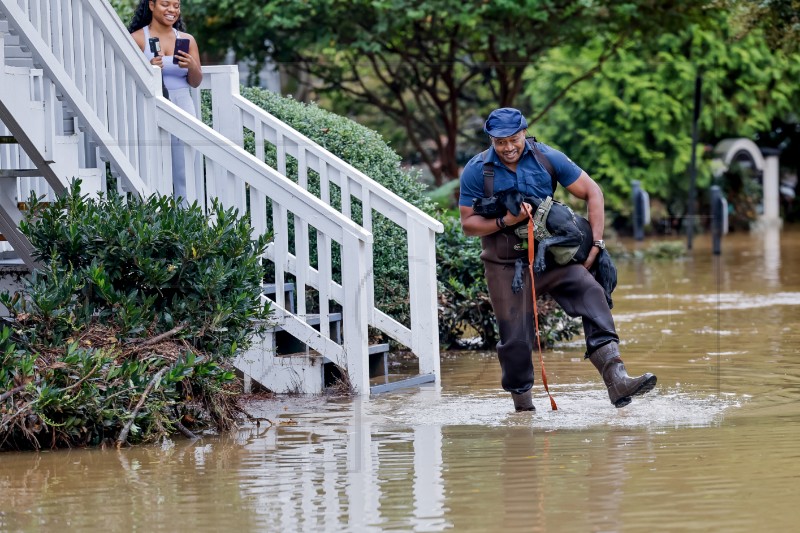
point(232, 114)
point(94, 65)
point(242, 181)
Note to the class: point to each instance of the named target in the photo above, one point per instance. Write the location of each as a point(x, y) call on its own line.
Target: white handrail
point(232, 113)
point(397, 209)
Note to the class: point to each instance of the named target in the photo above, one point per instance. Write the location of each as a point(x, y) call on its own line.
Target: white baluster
point(281, 228)
point(280, 147)
point(99, 67)
point(258, 135)
point(78, 48)
point(324, 183)
point(133, 121)
point(302, 254)
point(325, 277)
point(68, 54)
point(57, 28)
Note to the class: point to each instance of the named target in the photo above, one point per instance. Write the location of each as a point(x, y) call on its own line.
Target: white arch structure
point(727, 149)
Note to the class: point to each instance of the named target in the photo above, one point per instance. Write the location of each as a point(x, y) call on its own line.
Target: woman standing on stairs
point(162, 19)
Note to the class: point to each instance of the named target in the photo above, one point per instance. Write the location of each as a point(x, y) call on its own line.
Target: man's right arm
point(475, 225)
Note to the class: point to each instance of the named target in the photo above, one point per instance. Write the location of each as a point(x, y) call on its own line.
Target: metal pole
point(698, 85)
point(638, 210)
point(716, 219)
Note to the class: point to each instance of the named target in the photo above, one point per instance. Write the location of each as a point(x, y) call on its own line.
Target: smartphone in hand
point(181, 45)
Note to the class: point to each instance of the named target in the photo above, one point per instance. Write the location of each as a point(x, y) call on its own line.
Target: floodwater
point(715, 447)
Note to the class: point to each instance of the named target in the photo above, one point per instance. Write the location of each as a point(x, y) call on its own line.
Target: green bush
point(365, 150)
point(138, 303)
point(657, 250)
point(464, 306)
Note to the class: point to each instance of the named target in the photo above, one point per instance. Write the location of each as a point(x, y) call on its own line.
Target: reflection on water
point(714, 447)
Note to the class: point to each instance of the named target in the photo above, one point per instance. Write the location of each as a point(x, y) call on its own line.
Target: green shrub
point(464, 306)
point(657, 250)
point(365, 150)
point(138, 303)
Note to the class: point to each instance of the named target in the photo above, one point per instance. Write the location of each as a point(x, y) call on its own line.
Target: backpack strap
point(488, 176)
point(540, 219)
point(542, 159)
point(488, 168)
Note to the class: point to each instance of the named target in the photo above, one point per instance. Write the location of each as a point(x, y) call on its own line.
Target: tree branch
point(160, 337)
point(123, 436)
point(586, 75)
point(15, 390)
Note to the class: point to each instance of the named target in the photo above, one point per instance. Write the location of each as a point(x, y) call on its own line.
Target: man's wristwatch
point(600, 244)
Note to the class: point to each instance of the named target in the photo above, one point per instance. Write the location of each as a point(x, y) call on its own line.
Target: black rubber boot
point(621, 387)
point(523, 402)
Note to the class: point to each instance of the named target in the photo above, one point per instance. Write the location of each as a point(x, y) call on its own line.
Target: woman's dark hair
point(143, 16)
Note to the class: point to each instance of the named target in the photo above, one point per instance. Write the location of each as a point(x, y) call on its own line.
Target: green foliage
point(132, 320)
point(429, 66)
point(365, 150)
point(124, 9)
point(633, 121)
point(85, 396)
point(464, 307)
point(658, 250)
point(147, 265)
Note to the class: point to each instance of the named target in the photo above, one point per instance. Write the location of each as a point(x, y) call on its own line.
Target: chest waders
point(574, 289)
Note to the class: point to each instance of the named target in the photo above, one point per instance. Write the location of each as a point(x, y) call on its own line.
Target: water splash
point(581, 406)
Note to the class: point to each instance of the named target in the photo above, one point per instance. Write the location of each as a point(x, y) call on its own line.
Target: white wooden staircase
point(78, 99)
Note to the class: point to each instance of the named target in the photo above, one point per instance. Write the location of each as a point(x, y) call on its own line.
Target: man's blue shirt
point(531, 178)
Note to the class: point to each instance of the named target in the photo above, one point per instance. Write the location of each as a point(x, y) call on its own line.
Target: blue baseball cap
point(504, 122)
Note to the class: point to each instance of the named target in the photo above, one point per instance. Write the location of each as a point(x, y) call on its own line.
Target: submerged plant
point(128, 330)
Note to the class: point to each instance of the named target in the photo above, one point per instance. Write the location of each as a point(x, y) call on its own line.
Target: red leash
point(535, 307)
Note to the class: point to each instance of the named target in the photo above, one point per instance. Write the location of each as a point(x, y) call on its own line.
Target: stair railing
point(242, 181)
point(232, 113)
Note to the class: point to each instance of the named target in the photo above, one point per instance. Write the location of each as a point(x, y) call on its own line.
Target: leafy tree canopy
point(633, 121)
point(426, 64)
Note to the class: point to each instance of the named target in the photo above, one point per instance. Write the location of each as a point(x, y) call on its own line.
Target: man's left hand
point(592, 256)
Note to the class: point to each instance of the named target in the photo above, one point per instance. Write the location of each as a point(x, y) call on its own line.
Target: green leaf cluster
point(84, 396)
point(145, 265)
point(633, 121)
point(132, 321)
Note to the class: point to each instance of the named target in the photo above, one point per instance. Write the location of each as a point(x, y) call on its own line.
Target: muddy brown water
point(714, 448)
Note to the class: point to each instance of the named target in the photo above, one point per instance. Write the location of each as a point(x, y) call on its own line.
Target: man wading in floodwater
point(511, 163)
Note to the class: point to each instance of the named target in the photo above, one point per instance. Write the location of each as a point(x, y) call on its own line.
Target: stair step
point(374, 350)
point(312, 320)
point(269, 290)
point(20, 173)
point(20, 62)
point(286, 343)
point(8, 139)
point(405, 383)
